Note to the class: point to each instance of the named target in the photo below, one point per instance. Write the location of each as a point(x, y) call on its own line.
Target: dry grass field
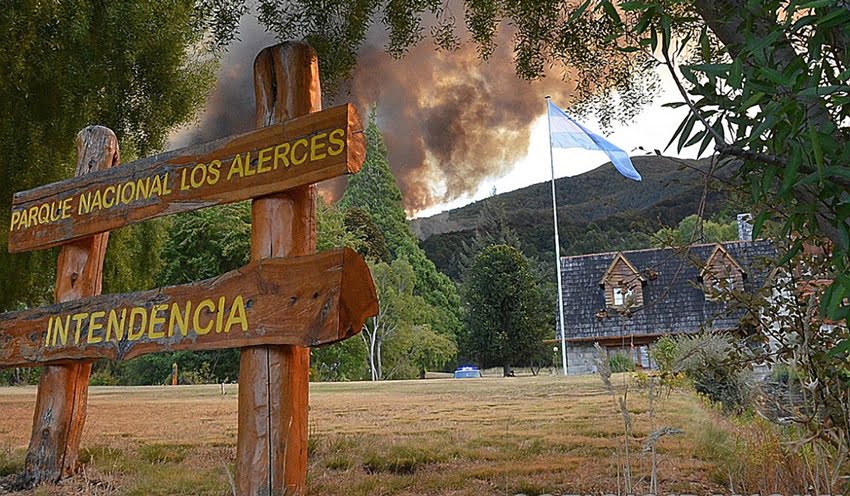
point(530, 435)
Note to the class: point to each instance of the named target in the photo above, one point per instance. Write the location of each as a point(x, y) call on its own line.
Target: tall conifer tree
point(376, 191)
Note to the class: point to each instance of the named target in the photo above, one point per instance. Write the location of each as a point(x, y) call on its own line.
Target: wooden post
point(60, 409)
point(271, 453)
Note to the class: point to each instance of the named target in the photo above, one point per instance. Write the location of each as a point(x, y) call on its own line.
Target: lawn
point(530, 435)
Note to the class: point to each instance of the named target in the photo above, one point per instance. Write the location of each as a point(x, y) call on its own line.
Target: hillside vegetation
point(599, 210)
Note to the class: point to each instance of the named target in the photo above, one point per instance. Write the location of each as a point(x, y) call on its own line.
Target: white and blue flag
point(564, 132)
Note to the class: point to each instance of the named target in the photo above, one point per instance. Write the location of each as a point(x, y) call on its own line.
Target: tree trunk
point(380, 367)
point(271, 447)
point(422, 372)
point(60, 408)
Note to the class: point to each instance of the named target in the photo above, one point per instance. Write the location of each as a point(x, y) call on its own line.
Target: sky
point(649, 131)
point(456, 128)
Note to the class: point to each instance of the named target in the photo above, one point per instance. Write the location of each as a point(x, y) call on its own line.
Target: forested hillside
point(599, 210)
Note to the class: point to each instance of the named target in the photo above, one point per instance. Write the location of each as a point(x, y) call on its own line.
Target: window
point(620, 296)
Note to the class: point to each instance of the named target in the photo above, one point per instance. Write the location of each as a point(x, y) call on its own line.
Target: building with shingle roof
point(626, 300)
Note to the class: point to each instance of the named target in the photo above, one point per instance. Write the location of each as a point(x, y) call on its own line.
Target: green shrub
point(103, 378)
point(20, 376)
point(663, 353)
point(711, 363)
point(620, 362)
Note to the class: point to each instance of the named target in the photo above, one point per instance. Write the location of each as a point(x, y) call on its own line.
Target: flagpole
point(557, 246)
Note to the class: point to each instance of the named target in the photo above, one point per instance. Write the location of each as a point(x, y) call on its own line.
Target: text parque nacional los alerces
point(184, 178)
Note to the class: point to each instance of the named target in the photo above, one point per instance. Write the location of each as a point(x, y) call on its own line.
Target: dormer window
point(621, 295)
point(622, 284)
point(721, 273)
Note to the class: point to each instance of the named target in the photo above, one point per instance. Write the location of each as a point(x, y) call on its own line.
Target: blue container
point(467, 373)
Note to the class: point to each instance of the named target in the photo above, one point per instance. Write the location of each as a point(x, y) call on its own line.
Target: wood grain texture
point(297, 300)
point(186, 179)
point(271, 453)
point(60, 409)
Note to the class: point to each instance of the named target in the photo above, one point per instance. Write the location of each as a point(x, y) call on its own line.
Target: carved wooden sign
point(304, 301)
point(301, 151)
point(273, 308)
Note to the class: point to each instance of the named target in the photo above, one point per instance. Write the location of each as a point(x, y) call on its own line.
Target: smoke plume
point(449, 119)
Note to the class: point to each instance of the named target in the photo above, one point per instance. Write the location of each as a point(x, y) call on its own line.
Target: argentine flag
point(564, 132)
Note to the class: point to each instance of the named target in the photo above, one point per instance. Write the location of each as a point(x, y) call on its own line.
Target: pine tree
point(376, 191)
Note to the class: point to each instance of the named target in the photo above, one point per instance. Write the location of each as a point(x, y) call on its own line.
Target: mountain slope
point(598, 210)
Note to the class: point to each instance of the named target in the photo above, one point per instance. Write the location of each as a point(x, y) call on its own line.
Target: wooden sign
point(298, 152)
point(274, 308)
point(304, 301)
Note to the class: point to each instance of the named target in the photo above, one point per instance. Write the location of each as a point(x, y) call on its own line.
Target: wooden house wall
point(621, 275)
point(721, 268)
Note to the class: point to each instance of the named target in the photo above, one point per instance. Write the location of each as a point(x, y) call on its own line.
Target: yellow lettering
point(49, 331)
point(248, 170)
point(296, 161)
point(281, 153)
point(182, 322)
point(33, 212)
point(197, 180)
point(112, 323)
point(94, 325)
point(143, 188)
point(66, 208)
point(197, 320)
point(78, 318)
point(132, 335)
point(108, 202)
point(44, 213)
point(24, 219)
point(55, 211)
point(156, 320)
point(166, 190)
point(214, 172)
point(97, 201)
point(156, 186)
point(83, 206)
point(236, 169)
point(125, 198)
point(316, 147)
point(264, 157)
point(183, 185)
point(336, 139)
point(16, 216)
point(62, 331)
point(237, 315)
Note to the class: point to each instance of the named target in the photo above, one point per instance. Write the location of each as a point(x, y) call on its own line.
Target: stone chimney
point(745, 227)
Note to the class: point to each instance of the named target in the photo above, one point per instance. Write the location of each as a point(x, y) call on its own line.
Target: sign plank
point(302, 151)
point(304, 301)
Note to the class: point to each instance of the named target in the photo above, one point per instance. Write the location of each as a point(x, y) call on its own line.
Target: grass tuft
point(157, 454)
point(401, 460)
